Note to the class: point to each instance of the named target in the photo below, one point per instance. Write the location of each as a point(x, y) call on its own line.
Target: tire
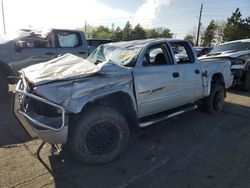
point(3, 87)
point(214, 102)
point(100, 135)
point(247, 81)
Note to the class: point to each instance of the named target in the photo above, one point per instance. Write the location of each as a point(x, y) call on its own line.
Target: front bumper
point(53, 130)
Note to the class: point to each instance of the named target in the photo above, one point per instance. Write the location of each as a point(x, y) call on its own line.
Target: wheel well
point(218, 79)
point(120, 101)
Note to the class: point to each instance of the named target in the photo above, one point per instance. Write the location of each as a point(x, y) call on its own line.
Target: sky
point(180, 16)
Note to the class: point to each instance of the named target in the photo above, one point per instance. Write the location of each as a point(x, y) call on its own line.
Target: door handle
point(50, 53)
point(197, 71)
point(176, 74)
point(82, 52)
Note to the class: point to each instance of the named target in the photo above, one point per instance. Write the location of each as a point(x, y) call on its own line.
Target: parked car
point(93, 43)
point(238, 52)
point(92, 104)
point(27, 47)
point(200, 51)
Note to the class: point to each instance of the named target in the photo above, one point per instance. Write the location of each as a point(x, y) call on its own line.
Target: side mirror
point(20, 45)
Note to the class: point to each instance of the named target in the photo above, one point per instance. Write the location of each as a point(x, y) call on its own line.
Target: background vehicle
point(93, 43)
point(238, 52)
point(27, 47)
point(200, 51)
point(93, 106)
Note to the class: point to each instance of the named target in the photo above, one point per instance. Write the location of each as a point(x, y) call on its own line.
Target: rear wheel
point(3, 87)
point(101, 135)
point(214, 102)
point(247, 81)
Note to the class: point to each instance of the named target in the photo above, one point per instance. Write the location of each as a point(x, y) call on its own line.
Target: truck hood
point(71, 81)
point(225, 54)
point(65, 67)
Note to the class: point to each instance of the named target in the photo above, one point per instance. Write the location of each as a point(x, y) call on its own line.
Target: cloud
point(149, 10)
point(60, 13)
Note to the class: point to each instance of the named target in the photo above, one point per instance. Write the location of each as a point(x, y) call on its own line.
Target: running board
point(167, 115)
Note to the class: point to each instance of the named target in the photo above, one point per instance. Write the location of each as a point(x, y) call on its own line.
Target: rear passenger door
point(190, 72)
point(156, 80)
point(70, 42)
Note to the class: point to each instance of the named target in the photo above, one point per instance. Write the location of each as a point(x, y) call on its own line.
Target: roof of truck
point(139, 43)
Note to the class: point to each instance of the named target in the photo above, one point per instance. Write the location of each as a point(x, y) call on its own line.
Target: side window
point(68, 39)
point(34, 42)
point(182, 53)
point(156, 56)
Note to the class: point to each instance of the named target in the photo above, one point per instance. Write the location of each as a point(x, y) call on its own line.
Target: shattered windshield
point(235, 46)
point(119, 55)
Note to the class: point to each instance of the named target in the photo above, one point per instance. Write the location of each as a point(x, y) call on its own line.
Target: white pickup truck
point(92, 104)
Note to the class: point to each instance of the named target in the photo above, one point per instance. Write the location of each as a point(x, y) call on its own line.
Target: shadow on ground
point(193, 150)
point(11, 132)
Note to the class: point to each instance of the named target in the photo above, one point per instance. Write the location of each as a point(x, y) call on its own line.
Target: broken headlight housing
point(237, 61)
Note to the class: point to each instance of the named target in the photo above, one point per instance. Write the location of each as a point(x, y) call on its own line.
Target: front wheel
point(101, 135)
point(214, 102)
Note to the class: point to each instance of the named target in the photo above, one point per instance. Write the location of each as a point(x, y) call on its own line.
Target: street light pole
point(4, 28)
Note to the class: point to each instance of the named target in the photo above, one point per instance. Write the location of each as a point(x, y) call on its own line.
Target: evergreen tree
point(138, 32)
point(152, 33)
point(117, 35)
point(166, 33)
point(209, 34)
point(127, 32)
point(236, 27)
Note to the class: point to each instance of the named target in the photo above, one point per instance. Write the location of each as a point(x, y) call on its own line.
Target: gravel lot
point(193, 150)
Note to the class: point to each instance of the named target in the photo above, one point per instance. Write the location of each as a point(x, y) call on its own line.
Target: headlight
point(237, 61)
point(245, 57)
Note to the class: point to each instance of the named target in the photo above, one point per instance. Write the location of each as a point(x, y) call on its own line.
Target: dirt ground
point(194, 150)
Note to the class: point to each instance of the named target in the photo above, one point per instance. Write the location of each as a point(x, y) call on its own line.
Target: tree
point(209, 34)
point(127, 32)
point(236, 27)
point(117, 35)
point(101, 32)
point(190, 38)
point(166, 33)
point(138, 32)
point(152, 33)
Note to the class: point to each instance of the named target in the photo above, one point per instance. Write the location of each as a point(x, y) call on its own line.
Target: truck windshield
point(234, 46)
point(119, 55)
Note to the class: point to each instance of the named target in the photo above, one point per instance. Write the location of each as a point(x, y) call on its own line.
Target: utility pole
point(85, 27)
point(199, 26)
point(4, 29)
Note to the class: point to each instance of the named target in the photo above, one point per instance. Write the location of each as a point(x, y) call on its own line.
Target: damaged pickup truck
point(92, 104)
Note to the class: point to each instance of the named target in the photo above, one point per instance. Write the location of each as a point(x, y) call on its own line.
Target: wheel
point(214, 102)
point(100, 135)
point(3, 87)
point(247, 81)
